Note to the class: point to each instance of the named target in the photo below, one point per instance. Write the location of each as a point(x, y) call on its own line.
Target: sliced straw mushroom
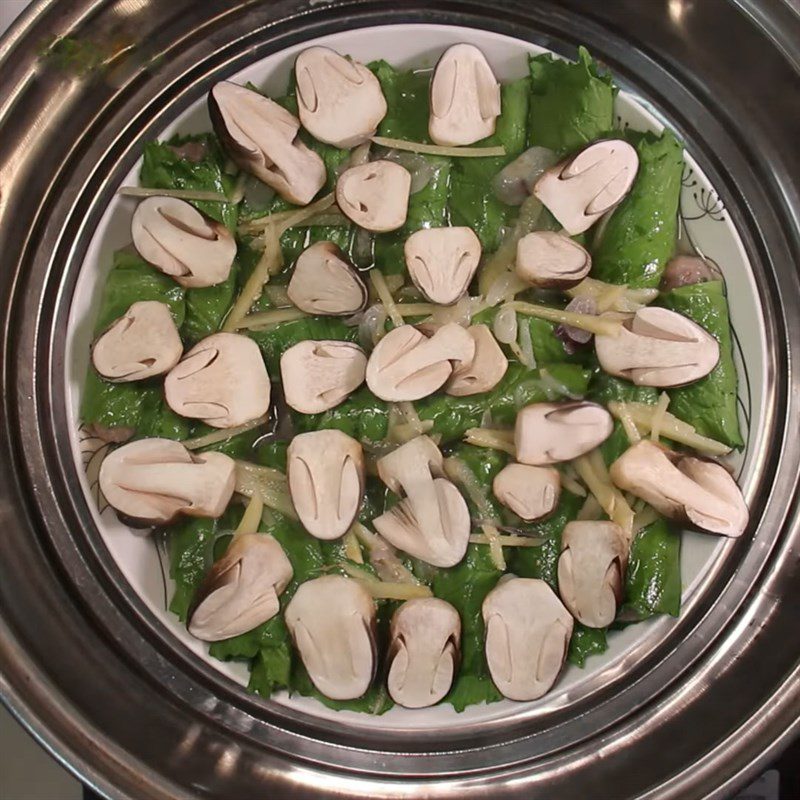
point(691, 490)
point(683, 270)
point(325, 470)
point(527, 637)
point(153, 481)
point(323, 282)
point(241, 590)
point(339, 100)
point(222, 380)
point(407, 365)
point(318, 375)
point(432, 520)
point(465, 97)
point(549, 433)
point(530, 492)
point(175, 237)
point(332, 622)
point(591, 571)
point(375, 195)
point(262, 138)
point(484, 370)
point(442, 261)
point(658, 347)
point(577, 192)
point(424, 648)
point(142, 343)
point(551, 260)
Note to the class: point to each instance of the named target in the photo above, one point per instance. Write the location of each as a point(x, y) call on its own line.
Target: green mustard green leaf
point(709, 404)
point(207, 307)
point(132, 280)
point(277, 339)
point(452, 416)
point(571, 103)
point(406, 94)
point(465, 586)
point(605, 389)
point(653, 580)
point(584, 643)
point(166, 166)
point(640, 236)
point(472, 199)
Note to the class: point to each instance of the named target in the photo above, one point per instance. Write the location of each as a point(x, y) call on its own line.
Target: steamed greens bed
point(560, 108)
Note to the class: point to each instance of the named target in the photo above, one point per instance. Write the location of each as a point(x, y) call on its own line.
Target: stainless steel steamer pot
point(104, 687)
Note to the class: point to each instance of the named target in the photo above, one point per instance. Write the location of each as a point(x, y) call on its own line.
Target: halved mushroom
point(530, 492)
point(332, 622)
point(591, 570)
point(442, 261)
point(140, 344)
point(551, 260)
point(692, 490)
point(153, 481)
point(221, 380)
point(577, 192)
point(549, 433)
point(527, 637)
point(407, 365)
point(177, 239)
point(465, 97)
point(658, 347)
point(484, 370)
point(262, 138)
point(323, 282)
point(318, 375)
point(425, 639)
point(339, 100)
point(684, 270)
point(432, 520)
point(325, 470)
point(375, 195)
point(241, 590)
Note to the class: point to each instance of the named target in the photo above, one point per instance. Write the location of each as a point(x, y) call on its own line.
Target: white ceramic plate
point(705, 225)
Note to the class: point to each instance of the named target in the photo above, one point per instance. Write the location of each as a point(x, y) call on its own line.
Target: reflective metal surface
point(104, 686)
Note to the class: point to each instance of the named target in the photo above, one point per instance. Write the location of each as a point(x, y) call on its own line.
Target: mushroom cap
point(332, 622)
point(221, 380)
point(375, 195)
point(339, 100)
point(241, 590)
point(425, 637)
point(532, 493)
point(527, 637)
point(684, 270)
point(551, 260)
point(577, 192)
point(484, 370)
point(142, 343)
point(549, 433)
point(262, 138)
point(465, 97)
point(318, 375)
point(323, 282)
point(432, 520)
point(591, 570)
point(694, 491)
point(658, 347)
point(407, 365)
point(442, 262)
point(175, 237)
point(325, 470)
point(153, 481)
